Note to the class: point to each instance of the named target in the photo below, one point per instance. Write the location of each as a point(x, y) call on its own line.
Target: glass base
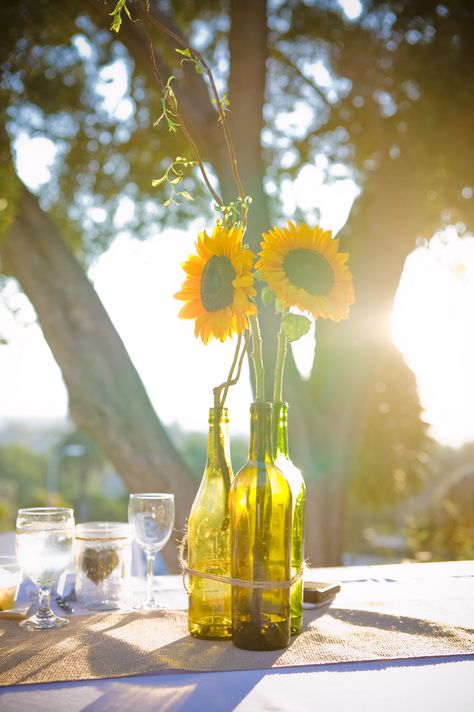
point(148, 606)
point(37, 622)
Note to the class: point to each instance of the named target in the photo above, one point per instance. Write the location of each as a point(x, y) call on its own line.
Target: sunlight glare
point(352, 8)
point(431, 323)
point(34, 156)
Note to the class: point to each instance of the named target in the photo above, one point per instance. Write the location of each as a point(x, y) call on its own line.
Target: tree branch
point(278, 54)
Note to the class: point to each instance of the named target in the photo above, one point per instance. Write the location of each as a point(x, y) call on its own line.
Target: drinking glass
point(44, 537)
point(151, 517)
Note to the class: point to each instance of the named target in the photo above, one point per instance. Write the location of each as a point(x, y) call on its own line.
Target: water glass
point(151, 516)
point(44, 538)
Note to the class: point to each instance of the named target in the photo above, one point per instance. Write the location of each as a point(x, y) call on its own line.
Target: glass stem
point(44, 596)
point(150, 561)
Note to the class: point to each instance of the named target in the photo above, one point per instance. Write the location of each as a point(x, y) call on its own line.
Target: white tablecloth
point(429, 685)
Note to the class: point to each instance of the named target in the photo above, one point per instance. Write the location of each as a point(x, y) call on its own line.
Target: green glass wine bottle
point(298, 492)
point(210, 602)
point(260, 514)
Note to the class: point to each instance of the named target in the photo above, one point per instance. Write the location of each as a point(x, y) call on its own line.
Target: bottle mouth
point(220, 413)
point(263, 406)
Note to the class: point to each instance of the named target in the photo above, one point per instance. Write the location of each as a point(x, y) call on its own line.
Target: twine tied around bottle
point(242, 583)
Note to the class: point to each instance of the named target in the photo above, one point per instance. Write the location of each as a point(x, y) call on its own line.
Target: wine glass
point(151, 517)
point(44, 537)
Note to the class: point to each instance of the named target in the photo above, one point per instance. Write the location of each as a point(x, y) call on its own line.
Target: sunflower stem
point(239, 367)
point(257, 359)
point(280, 362)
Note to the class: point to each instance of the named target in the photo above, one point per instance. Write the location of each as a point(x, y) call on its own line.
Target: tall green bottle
point(260, 514)
point(210, 602)
point(298, 492)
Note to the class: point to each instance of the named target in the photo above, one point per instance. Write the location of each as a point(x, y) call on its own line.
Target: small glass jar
point(103, 562)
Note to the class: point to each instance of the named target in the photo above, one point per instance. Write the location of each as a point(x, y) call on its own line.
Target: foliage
point(395, 456)
point(443, 525)
point(10, 188)
point(24, 476)
point(383, 64)
point(22, 479)
point(192, 447)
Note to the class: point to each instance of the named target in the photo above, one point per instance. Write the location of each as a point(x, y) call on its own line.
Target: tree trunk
point(106, 396)
point(380, 236)
point(247, 80)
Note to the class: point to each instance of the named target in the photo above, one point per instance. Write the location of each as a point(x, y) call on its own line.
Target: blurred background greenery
point(431, 521)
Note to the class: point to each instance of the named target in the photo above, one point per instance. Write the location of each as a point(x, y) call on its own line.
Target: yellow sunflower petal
point(190, 310)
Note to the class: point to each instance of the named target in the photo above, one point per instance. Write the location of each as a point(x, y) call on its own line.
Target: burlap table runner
point(117, 645)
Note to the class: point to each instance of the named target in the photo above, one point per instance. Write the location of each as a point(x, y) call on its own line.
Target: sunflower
point(303, 267)
point(218, 285)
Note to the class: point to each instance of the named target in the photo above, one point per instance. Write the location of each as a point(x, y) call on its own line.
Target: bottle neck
point(218, 442)
point(280, 429)
point(260, 446)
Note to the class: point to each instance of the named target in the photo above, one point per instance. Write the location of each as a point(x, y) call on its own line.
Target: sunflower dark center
point(217, 290)
point(309, 270)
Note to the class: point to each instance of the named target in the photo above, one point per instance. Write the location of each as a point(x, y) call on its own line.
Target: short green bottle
point(260, 513)
point(210, 602)
point(298, 491)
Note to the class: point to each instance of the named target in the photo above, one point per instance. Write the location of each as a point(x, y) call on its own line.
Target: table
point(433, 684)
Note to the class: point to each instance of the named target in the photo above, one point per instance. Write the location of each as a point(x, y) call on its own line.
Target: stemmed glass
point(151, 517)
point(44, 537)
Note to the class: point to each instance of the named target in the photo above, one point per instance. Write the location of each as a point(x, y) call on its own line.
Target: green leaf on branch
point(188, 57)
point(116, 15)
point(173, 176)
point(295, 326)
point(224, 103)
point(233, 213)
point(185, 52)
point(268, 296)
point(159, 181)
point(170, 108)
point(279, 306)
